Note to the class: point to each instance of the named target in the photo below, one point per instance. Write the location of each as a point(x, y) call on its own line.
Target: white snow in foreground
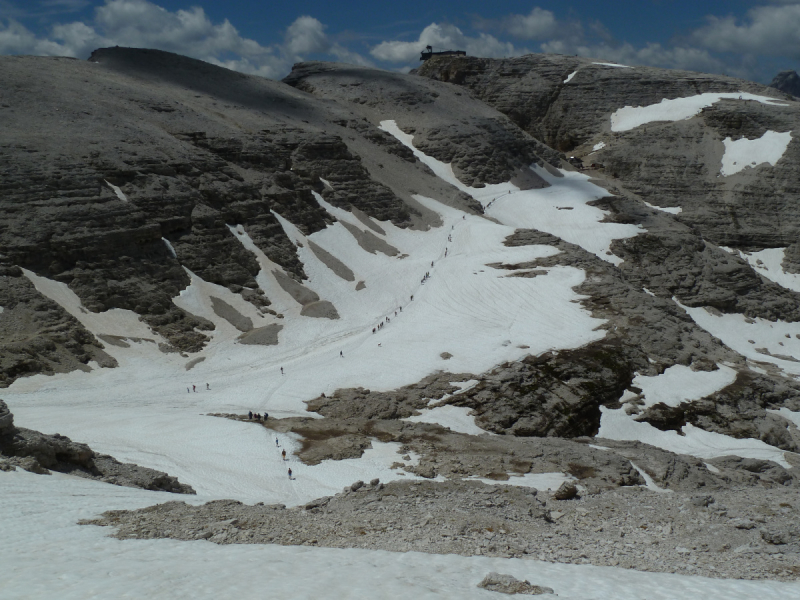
point(743, 153)
point(560, 209)
point(747, 336)
point(570, 76)
point(456, 418)
point(678, 109)
point(673, 210)
point(680, 384)
point(120, 194)
point(616, 425)
point(618, 66)
point(598, 146)
point(769, 263)
point(45, 555)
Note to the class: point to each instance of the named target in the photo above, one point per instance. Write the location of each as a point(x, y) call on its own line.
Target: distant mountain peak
point(787, 81)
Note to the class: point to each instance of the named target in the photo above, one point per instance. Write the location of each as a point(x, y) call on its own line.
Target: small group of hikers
point(257, 416)
point(194, 389)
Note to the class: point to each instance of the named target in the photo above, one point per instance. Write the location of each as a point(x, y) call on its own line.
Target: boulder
point(508, 584)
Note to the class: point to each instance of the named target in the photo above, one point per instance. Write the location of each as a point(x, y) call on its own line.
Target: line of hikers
point(257, 416)
point(194, 389)
point(283, 456)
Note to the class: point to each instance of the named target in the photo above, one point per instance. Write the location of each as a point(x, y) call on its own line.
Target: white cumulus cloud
point(444, 37)
point(144, 24)
point(767, 30)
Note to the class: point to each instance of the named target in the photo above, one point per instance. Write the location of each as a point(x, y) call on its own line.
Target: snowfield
point(743, 153)
point(45, 554)
point(560, 209)
point(678, 109)
point(434, 293)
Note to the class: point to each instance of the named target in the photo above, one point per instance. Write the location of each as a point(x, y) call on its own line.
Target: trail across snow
point(561, 209)
point(436, 295)
point(147, 412)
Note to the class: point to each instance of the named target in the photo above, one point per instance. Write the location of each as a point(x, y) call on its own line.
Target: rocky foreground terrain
point(132, 178)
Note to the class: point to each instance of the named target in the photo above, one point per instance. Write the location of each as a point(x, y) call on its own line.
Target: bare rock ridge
point(787, 82)
point(567, 102)
point(142, 175)
point(126, 178)
point(40, 453)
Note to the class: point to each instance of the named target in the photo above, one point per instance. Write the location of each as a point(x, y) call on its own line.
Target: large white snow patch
point(758, 339)
point(561, 209)
point(677, 109)
point(680, 384)
point(743, 153)
point(46, 554)
point(769, 263)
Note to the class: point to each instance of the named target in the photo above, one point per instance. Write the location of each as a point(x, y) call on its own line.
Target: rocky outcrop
point(508, 584)
point(39, 336)
point(732, 533)
point(787, 82)
point(41, 453)
point(567, 102)
point(483, 145)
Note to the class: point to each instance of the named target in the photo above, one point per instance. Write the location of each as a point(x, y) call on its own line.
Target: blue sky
point(753, 39)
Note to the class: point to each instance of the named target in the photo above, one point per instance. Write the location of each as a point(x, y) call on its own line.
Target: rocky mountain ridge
point(158, 204)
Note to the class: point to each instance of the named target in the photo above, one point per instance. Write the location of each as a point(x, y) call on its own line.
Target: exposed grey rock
point(262, 336)
point(40, 453)
point(788, 82)
point(230, 314)
point(667, 164)
point(508, 584)
point(628, 527)
point(6, 421)
point(567, 491)
point(39, 336)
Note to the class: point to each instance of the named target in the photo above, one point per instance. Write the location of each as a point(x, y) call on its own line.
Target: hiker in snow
point(188, 391)
point(281, 370)
point(412, 297)
point(290, 473)
point(250, 414)
point(266, 414)
point(276, 442)
point(373, 330)
point(431, 263)
point(395, 313)
point(283, 455)
point(401, 309)
point(207, 387)
point(194, 389)
point(340, 354)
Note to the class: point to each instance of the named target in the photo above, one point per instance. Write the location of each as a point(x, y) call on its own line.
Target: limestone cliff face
point(120, 173)
point(787, 82)
point(567, 102)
